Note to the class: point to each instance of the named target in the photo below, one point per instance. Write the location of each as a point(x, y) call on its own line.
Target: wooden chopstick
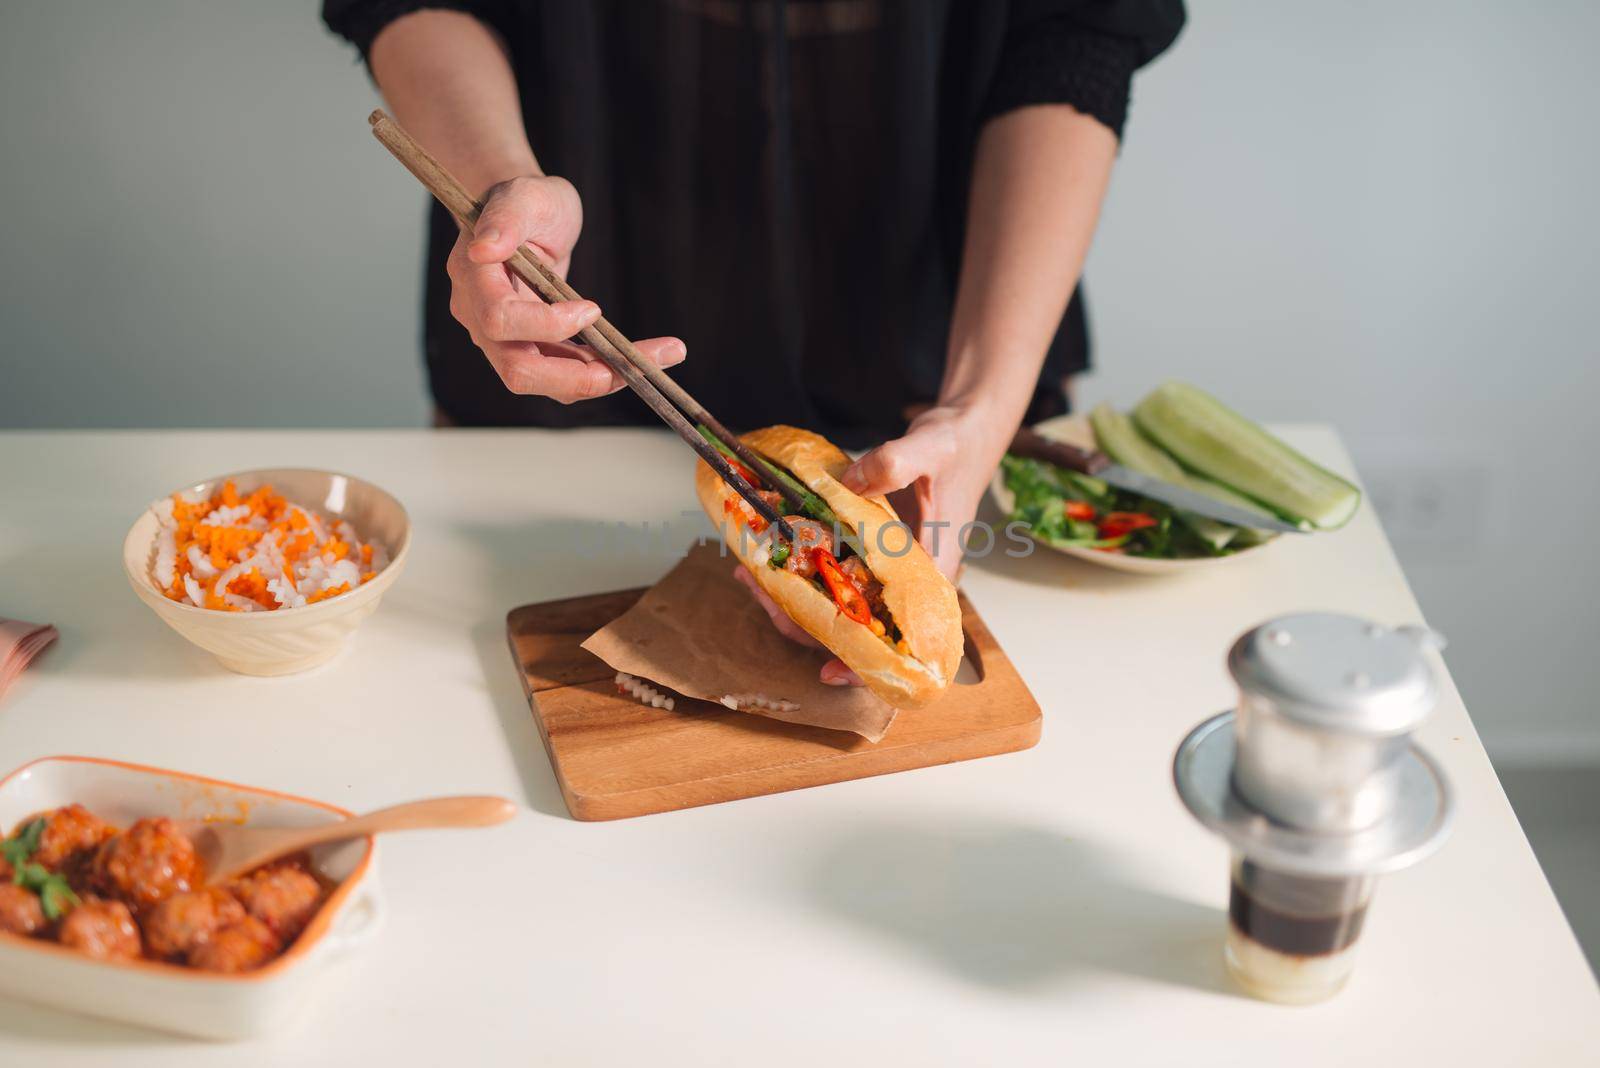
point(675, 393)
point(609, 343)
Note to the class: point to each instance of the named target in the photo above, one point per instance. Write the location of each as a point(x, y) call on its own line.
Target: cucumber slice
point(1249, 537)
point(1213, 440)
point(1119, 439)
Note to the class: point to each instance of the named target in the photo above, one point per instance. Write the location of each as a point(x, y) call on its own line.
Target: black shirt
point(781, 183)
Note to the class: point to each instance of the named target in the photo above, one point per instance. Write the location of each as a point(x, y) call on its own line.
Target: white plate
point(1075, 430)
point(164, 996)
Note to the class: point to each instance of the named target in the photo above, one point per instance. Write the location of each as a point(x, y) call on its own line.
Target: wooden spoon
point(228, 850)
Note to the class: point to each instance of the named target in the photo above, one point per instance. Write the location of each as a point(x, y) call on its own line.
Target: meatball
point(858, 572)
point(69, 833)
point(101, 929)
point(238, 947)
point(282, 897)
point(808, 535)
point(148, 862)
point(184, 920)
point(20, 912)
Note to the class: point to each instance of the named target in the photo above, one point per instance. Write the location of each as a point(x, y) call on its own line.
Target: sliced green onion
point(813, 506)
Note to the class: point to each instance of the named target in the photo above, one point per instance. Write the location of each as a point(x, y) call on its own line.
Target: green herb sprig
point(24, 843)
point(55, 895)
point(1041, 491)
point(813, 506)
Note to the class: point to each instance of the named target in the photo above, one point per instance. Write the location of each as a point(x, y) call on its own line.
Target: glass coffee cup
point(1292, 938)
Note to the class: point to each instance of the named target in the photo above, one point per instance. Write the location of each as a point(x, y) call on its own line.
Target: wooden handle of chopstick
point(675, 393)
point(618, 353)
point(429, 171)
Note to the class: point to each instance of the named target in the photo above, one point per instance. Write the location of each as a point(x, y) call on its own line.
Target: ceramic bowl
point(1075, 430)
point(293, 639)
point(164, 996)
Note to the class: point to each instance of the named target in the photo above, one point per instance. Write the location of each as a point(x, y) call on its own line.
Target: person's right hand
point(525, 338)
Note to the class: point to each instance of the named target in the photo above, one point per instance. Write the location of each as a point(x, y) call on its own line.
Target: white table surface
point(1056, 906)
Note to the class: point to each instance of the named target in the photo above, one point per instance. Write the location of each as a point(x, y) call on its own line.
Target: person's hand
point(834, 673)
point(525, 338)
point(944, 463)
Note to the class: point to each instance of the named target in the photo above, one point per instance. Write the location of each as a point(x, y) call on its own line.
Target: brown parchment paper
point(698, 632)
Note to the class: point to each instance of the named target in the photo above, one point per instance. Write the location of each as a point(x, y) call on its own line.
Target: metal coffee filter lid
point(1339, 672)
point(1203, 773)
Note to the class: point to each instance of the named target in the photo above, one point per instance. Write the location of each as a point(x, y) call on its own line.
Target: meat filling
point(800, 558)
point(856, 570)
point(808, 535)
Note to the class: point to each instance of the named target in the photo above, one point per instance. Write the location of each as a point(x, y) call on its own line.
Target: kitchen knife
point(1036, 446)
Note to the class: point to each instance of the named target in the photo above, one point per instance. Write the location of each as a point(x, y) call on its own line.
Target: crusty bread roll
point(920, 599)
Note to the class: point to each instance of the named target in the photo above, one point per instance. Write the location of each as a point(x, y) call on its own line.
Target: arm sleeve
point(360, 21)
point(1080, 52)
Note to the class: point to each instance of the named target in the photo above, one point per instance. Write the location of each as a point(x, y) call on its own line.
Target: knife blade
point(1034, 445)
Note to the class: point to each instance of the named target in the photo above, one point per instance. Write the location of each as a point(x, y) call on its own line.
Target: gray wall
point(1381, 215)
point(198, 230)
point(1368, 213)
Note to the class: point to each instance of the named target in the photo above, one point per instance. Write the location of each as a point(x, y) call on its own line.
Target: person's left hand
point(944, 463)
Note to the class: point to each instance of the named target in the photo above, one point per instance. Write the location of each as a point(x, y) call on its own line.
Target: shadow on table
point(105, 629)
point(535, 561)
point(539, 785)
point(545, 560)
point(1014, 907)
point(33, 1023)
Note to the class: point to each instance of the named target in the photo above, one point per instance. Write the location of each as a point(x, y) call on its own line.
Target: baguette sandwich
point(871, 595)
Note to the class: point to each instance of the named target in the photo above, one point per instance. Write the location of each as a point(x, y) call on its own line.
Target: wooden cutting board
point(616, 758)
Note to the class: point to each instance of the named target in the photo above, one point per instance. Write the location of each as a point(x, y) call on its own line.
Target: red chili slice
point(1118, 524)
point(851, 601)
point(743, 513)
point(1082, 511)
point(744, 472)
